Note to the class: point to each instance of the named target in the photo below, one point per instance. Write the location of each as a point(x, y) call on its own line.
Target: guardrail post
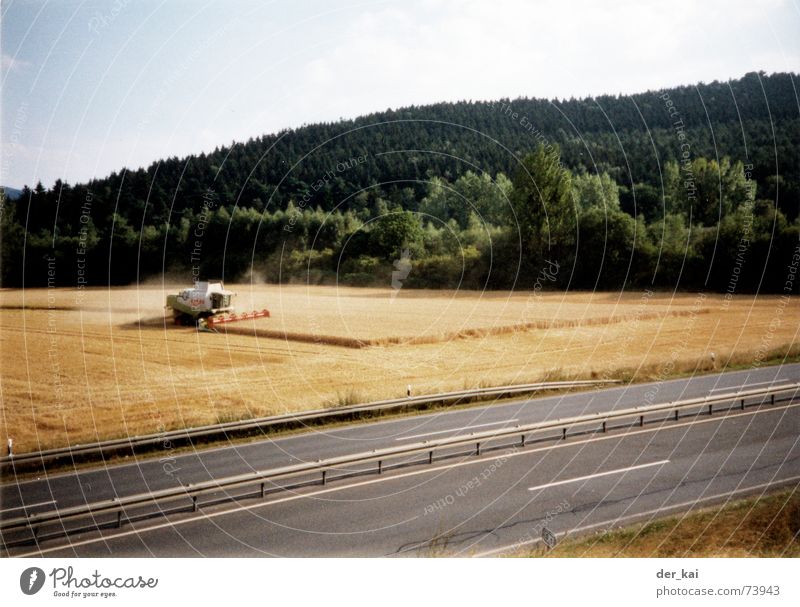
point(522, 442)
point(262, 490)
point(563, 434)
point(641, 420)
point(604, 427)
point(194, 503)
point(324, 477)
point(478, 449)
point(771, 400)
point(430, 457)
point(119, 519)
point(676, 414)
point(742, 405)
point(711, 409)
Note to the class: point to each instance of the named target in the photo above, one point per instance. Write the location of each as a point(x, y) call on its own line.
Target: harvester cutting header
point(206, 305)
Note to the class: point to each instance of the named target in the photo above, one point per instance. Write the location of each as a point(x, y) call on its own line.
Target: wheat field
point(78, 366)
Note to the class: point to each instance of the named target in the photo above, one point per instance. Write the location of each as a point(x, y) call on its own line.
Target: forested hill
point(391, 160)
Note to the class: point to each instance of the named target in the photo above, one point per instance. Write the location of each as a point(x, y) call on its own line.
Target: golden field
point(102, 363)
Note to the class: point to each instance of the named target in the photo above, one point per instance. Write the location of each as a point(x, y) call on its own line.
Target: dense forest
point(696, 187)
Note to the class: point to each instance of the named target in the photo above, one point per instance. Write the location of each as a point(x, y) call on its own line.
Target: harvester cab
point(203, 301)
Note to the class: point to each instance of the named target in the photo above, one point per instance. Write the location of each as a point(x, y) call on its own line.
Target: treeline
point(693, 187)
point(547, 227)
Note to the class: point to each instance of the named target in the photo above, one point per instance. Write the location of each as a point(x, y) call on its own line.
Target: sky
point(90, 87)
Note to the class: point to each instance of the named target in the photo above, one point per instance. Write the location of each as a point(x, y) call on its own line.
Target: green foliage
point(543, 206)
point(613, 202)
point(606, 240)
point(448, 271)
point(706, 190)
point(471, 194)
point(591, 190)
point(363, 271)
point(395, 232)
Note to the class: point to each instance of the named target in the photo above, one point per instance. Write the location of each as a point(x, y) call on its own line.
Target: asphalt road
point(462, 505)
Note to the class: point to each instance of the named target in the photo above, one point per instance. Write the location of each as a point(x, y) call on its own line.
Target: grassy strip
point(765, 526)
point(786, 354)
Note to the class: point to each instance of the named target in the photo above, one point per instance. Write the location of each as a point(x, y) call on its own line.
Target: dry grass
point(755, 527)
point(106, 364)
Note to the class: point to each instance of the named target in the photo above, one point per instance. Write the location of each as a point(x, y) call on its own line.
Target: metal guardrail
point(97, 450)
point(122, 507)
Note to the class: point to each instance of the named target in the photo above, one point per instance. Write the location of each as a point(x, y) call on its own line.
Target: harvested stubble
point(352, 342)
point(113, 366)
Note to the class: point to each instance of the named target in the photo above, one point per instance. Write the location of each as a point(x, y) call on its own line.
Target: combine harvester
point(206, 305)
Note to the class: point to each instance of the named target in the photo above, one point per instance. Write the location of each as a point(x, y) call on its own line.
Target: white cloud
point(447, 50)
point(11, 64)
point(271, 70)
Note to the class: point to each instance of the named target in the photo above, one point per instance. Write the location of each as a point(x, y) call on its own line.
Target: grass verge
point(764, 526)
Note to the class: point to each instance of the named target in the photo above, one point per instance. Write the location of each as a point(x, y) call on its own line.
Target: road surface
point(464, 505)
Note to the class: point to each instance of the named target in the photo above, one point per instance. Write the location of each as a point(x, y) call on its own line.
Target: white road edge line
point(785, 382)
point(28, 506)
point(598, 475)
point(507, 421)
point(427, 470)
